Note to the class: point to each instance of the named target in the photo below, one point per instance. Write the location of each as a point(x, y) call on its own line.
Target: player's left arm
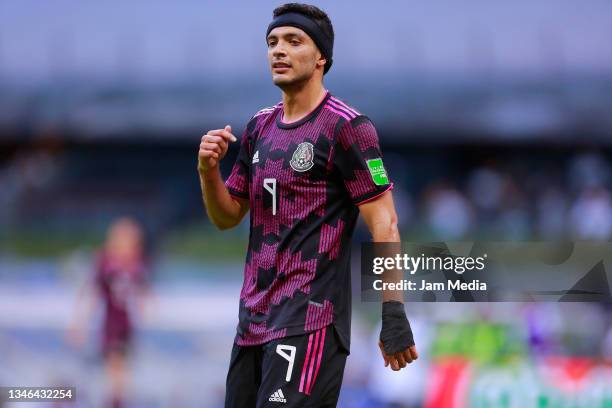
point(381, 219)
point(357, 159)
point(145, 299)
point(396, 339)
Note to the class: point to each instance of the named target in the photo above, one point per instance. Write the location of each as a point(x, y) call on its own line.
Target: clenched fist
point(213, 148)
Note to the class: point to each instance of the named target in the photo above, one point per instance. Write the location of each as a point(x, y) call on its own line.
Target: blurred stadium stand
point(490, 71)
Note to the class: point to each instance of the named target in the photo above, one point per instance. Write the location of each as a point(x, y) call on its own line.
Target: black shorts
point(299, 371)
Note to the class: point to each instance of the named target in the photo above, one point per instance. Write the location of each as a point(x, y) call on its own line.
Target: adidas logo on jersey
point(255, 157)
point(278, 397)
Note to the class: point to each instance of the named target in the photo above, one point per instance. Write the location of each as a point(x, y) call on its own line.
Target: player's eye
point(295, 42)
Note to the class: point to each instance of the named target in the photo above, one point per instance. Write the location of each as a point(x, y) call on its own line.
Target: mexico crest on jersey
point(303, 157)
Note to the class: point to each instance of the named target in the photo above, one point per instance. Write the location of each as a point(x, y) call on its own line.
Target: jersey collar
point(305, 119)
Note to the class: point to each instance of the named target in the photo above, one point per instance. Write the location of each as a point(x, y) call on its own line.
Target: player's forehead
point(287, 32)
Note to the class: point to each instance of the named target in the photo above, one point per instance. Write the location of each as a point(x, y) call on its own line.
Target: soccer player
point(119, 283)
point(307, 167)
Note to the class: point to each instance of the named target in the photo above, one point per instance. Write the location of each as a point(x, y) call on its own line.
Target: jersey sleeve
point(358, 160)
point(238, 181)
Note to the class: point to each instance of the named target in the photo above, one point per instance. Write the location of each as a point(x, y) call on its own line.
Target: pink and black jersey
point(118, 284)
point(304, 181)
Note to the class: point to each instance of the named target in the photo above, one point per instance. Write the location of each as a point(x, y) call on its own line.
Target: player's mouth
point(280, 67)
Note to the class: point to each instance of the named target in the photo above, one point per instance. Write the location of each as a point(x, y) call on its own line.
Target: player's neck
point(297, 103)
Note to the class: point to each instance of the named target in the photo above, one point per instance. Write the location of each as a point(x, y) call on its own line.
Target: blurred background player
point(119, 284)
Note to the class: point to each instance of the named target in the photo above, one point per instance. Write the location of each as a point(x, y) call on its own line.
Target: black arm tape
point(396, 334)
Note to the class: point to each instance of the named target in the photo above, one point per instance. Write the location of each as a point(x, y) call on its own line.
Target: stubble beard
point(288, 84)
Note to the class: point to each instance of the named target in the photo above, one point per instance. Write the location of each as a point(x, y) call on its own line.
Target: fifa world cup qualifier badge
point(303, 157)
point(377, 171)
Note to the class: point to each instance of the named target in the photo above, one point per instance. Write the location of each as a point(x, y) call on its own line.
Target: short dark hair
point(313, 12)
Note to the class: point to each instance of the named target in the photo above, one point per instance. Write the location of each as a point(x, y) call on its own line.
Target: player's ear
point(322, 60)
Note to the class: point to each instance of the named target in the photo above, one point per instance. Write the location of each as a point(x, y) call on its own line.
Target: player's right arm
point(224, 209)
point(86, 301)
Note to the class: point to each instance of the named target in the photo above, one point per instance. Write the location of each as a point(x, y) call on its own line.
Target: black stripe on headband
point(311, 28)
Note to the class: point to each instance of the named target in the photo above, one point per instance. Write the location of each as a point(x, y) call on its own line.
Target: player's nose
point(279, 51)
